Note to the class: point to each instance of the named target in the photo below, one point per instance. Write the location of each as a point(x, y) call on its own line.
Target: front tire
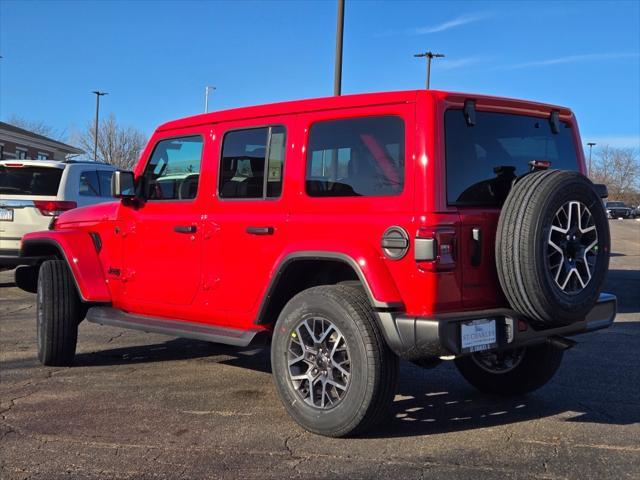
point(332, 369)
point(511, 372)
point(59, 311)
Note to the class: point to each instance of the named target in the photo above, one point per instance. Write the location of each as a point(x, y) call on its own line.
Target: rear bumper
point(417, 337)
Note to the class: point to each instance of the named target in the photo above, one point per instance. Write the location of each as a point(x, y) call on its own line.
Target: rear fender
point(77, 248)
point(367, 264)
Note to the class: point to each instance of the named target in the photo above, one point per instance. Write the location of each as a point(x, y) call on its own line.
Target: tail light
point(435, 249)
point(51, 208)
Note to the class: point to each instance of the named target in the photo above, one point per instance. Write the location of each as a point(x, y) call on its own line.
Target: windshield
point(482, 160)
point(38, 181)
point(615, 204)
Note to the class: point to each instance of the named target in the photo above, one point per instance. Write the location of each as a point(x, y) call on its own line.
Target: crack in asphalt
point(12, 401)
point(21, 309)
point(116, 336)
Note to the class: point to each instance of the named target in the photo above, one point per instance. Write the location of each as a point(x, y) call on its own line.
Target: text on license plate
point(478, 335)
point(6, 215)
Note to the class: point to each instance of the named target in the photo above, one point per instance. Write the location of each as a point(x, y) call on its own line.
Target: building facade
point(20, 144)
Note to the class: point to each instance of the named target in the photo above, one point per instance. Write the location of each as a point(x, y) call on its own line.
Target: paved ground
point(142, 406)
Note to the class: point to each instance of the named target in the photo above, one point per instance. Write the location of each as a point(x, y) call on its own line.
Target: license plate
point(478, 335)
point(6, 215)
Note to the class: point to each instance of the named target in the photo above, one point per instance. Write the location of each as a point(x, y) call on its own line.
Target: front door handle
point(260, 230)
point(185, 229)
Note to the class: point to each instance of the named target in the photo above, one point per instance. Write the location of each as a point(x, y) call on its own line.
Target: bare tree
point(118, 145)
point(39, 127)
point(619, 170)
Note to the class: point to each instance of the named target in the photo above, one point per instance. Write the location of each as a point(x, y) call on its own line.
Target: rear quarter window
point(356, 157)
point(482, 160)
point(37, 181)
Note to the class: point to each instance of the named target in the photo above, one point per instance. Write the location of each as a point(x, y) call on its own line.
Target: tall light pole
point(98, 94)
point(206, 97)
point(429, 56)
point(337, 74)
point(591, 145)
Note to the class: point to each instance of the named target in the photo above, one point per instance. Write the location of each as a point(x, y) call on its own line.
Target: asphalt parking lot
point(141, 406)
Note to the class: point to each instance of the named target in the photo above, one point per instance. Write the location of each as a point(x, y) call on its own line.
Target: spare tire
point(552, 247)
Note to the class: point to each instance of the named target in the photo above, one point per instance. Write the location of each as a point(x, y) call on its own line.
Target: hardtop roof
point(350, 101)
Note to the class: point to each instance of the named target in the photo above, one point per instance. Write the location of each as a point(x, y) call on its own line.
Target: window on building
point(21, 154)
point(356, 157)
point(252, 163)
point(42, 156)
point(173, 172)
point(89, 186)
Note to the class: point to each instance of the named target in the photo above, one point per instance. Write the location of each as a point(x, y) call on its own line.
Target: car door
point(162, 233)
point(250, 212)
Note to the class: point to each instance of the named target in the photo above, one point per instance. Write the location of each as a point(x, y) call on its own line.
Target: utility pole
point(591, 145)
point(98, 94)
point(206, 98)
point(429, 56)
point(337, 74)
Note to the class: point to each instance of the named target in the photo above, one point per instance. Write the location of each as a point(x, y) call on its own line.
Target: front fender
point(77, 248)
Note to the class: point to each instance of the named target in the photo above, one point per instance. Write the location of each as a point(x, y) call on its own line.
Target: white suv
point(32, 192)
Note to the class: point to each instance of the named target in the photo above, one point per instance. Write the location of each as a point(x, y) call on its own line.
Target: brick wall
point(32, 153)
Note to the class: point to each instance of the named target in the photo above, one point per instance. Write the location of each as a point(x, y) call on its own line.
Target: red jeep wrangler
point(352, 231)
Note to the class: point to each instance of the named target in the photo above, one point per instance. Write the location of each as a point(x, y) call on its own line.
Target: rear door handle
point(185, 229)
point(260, 230)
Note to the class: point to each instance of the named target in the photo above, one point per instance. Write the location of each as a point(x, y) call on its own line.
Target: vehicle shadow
point(253, 357)
point(588, 388)
point(625, 284)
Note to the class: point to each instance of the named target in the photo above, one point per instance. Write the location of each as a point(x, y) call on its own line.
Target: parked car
point(618, 210)
point(351, 231)
point(32, 192)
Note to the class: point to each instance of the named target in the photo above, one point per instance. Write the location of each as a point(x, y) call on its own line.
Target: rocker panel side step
point(176, 328)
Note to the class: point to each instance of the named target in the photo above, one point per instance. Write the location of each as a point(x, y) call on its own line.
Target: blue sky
point(154, 58)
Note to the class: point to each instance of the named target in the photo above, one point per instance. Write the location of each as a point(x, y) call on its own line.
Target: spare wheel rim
point(572, 247)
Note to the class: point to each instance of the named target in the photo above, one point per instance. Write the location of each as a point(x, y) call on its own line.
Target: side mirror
point(123, 185)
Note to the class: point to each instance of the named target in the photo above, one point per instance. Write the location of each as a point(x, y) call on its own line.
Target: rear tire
point(533, 368)
point(367, 390)
point(59, 311)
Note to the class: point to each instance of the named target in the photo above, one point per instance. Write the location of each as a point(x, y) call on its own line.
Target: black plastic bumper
point(413, 338)
point(12, 258)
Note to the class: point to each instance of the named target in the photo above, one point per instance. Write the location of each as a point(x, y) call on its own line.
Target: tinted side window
point(482, 160)
point(89, 186)
point(244, 173)
point(356, 157)
point(173, 172)
point(104, 179)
